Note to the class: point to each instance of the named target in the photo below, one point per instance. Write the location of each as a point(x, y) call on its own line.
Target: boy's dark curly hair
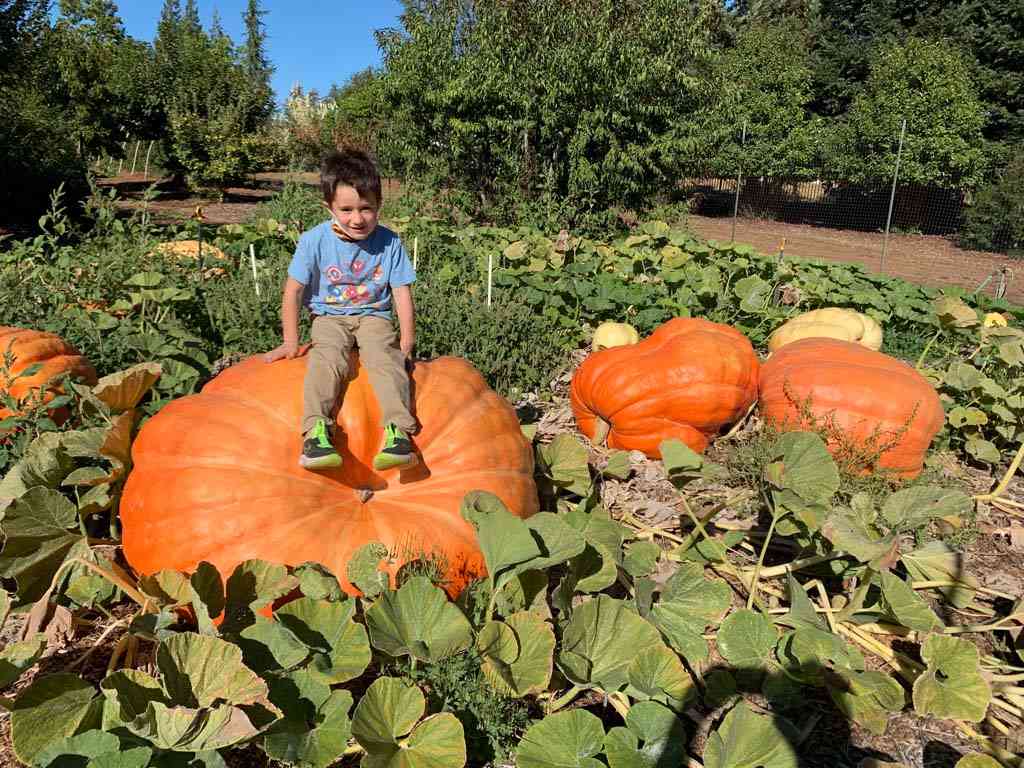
point(351, 168)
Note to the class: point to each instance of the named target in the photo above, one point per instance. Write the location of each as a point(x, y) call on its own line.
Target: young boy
point(349, 271)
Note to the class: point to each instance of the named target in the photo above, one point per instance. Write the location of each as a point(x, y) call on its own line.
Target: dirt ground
point(924, 259)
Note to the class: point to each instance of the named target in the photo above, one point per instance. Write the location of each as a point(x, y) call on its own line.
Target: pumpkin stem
point(601, 431)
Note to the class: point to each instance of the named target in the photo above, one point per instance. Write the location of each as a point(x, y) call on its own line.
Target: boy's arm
point(290, 300)
point(406, 311)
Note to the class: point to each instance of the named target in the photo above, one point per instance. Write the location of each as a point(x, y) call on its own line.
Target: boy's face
point(356, 215)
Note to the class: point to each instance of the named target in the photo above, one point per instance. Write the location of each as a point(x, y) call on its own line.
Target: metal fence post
point(739, 175)
point(892, 197)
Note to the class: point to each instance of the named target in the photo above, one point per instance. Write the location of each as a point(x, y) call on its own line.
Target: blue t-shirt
point(350, 278)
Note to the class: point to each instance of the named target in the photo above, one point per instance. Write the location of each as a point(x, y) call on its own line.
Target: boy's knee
point(332, 357)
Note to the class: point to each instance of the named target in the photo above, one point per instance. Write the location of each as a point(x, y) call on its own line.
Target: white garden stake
point(148, 150)
point(135, 157)
point(252, 260)
point(415, 251)
point(490, 271)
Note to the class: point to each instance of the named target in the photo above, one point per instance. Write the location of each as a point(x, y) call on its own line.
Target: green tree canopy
point(928, 84)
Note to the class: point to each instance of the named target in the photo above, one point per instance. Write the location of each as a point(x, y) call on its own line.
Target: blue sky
point(313, 42)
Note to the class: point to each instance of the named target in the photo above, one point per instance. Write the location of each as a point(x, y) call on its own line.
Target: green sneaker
point(318, 451)
point(397, 450)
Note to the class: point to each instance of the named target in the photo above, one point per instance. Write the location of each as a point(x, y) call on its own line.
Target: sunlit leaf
point(952, 686)
point(569, 739)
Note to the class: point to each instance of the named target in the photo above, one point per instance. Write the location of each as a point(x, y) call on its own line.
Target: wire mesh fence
point(734, 187)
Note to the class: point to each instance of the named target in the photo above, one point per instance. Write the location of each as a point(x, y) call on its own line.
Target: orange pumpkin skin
point(56, 357)
point(865, 392)
point(216, 474)
point(687, 380)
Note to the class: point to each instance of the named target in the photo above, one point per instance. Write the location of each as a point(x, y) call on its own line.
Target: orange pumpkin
point(51, 352)
point(687, 380)
point(216, 474)
point(876, 401)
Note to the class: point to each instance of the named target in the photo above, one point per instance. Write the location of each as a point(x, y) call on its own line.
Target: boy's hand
point(284, 352)
point(406, 343)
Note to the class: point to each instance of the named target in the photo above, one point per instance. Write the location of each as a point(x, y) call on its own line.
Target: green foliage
point(928, 84)
point(995, 221)
point(493, 724)
point(765, 83)
point(588, 119)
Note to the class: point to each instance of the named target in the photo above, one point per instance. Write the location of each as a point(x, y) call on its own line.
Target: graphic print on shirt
point(355, 287)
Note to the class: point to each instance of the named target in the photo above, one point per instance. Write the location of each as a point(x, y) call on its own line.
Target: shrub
point(996, 220)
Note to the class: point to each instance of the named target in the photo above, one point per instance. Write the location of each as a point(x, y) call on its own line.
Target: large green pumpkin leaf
point(384, 718)
point(805, 476)
point(125, 389)
point(16, 658)
point(906, 605)
point(419, 621)
point(562, 740)
point(269, 645)
point(641, 558)
point(51, 708)
point(136, 757)
point(748, 740)
point(566, 462)
point(207, 596)
point(808, 652)
point(187, 729)
point(868, 698)
point(600, 640)
point(913, 507)
point(363, 569)
point(83, 746)
point(661, 732)
point(688, 604)
point(44, 464)
point(849, 533)
point(40, 528)
point(682, 464)
point(801, 609)
point(200, 671)
point(557, 541)
point(935, 561)
point(978, 760)
point(505, 540)
point(747, 641)
point(656, 673)
point(317, 582)
point(952, 686)
point(520, 664)
point(297, 743)
point(255, 584)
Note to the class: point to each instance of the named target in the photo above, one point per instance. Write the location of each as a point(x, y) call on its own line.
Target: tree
point(929, 84)
point(257, 67)
point(576, 104)
point(764, 82)
point(990, 32)
point(35, 157)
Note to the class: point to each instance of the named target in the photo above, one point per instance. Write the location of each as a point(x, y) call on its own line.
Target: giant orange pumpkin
point(687, 380)
point(54, 356)
point(874, 400)
point(216, 474)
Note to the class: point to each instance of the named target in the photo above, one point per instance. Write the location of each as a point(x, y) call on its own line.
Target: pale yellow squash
point(831, 323)
point(614, 335)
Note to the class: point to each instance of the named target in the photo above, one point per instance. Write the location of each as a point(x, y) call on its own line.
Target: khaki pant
point(327, 372)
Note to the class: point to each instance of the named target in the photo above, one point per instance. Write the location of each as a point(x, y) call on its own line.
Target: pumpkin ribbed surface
point(216, 474)
point(30, 348)
point(687, 380)
point(866, 393)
